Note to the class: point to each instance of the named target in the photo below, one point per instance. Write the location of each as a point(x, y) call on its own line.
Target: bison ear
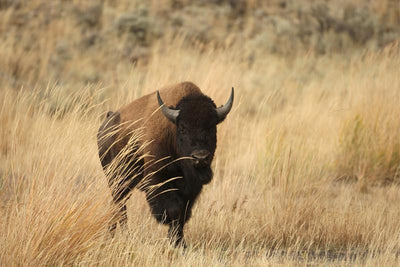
point(223, 111)
point(169, 113)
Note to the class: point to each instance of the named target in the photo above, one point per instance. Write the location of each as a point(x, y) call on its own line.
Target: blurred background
point(79, 42)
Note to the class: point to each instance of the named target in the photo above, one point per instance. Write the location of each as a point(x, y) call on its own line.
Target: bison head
point(196, 118)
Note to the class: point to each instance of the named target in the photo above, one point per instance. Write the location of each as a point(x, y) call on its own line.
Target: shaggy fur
point(172, 185)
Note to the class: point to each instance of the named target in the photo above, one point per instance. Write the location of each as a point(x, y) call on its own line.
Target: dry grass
point(306, 169)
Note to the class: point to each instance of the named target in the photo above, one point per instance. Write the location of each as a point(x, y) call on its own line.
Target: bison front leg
point(169, 208)
point(176, 224)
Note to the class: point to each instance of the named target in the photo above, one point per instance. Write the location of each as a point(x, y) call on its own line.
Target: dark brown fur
point(170, 203)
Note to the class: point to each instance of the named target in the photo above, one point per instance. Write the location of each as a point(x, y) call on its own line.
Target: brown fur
point(159, 135)
point(145, 113)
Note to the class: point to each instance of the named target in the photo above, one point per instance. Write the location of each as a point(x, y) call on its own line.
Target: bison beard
point(172, 185)
point(172, 202)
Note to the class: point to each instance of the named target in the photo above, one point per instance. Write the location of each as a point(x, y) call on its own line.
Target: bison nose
point(201, 156)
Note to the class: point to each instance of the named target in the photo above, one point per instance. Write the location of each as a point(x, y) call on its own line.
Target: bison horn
point(224, 110)
point(170, 113)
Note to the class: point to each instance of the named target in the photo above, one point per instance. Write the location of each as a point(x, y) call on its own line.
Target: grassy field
point(307, 168)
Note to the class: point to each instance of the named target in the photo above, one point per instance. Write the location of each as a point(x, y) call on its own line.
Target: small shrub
point(369, 146)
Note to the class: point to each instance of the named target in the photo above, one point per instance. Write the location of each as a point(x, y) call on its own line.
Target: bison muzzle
point(170, 160)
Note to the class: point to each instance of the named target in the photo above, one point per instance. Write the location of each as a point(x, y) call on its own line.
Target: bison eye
point(182, 130)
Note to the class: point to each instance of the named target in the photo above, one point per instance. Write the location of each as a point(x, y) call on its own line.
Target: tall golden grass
point(306, 169)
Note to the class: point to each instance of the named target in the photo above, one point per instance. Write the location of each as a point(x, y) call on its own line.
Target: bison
point(173, 152)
